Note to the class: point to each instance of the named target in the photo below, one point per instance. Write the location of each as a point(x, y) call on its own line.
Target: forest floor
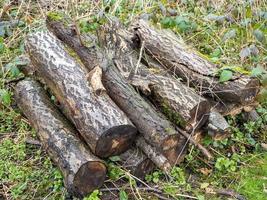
point(232, 34)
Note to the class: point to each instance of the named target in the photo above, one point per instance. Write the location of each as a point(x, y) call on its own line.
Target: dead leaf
point(205, 171)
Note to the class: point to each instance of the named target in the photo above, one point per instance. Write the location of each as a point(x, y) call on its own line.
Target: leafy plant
point(93, 196)
point(123, 195)
point(225, 75)
point(225, 164)
point(5, 97)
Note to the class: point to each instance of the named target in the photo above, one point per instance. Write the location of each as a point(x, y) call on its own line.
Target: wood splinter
point(95, 79)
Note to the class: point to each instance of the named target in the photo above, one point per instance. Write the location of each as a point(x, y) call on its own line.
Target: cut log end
point(174, 149)
point(90, 176)
point(136, 162)
point(115, 140)
point(250, 91)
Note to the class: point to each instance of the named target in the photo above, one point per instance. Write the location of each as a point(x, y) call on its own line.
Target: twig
point(198, 145)
point(133, 72)
point(148, 189)
point(227, 192)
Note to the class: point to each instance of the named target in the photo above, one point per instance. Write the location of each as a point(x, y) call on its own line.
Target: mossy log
point(82, 171)
point(186, 63)
point(105, 128)
point(177, 101)
point(156, 130)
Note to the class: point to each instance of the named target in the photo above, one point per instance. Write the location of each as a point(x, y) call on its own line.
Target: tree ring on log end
point(115, 140)
point(89, 177)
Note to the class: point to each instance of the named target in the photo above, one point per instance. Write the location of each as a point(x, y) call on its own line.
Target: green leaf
point(259, 36)
point(229, 35)
point(216, 53)
point(264, 80)
point(5, 97)
point(257, 71)
point(2, 46)
point(2, 31)
point(225, 75)
point(115, 158)
point(123, 195)
point(262, 96)
point(168, 22)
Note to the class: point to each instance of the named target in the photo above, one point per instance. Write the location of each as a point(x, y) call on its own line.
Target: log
point(178, 102)
point(186, 63)
point(156, 130)
point(136, 162)
point(82, 171)
point(105, 128)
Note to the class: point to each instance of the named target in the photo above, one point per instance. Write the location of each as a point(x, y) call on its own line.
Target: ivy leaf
point(225, 75)
point(262, 96)
point(259, 35)
point(245, 52)
point(2, 31)
point(123, 195)
point(5, 97)
point(229, 35)
point(168, 22)
point(114, 158)
point(257, 71)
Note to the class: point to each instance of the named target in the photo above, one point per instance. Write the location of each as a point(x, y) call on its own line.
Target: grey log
point(82, 171)
point(105, 128)
point(186, 63)
point(156, 130)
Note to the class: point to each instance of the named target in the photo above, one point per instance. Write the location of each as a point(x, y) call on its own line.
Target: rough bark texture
point(82, 171)
point(177, 101)
point(156, 130)
point(189, 65)
point(105, 128)
point(217, 125)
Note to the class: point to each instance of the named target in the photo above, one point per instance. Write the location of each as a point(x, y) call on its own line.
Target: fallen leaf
point(205, 171)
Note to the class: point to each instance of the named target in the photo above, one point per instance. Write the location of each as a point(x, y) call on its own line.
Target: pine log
point(82, 171)
point(178, 102)
point(156, 130)
point(186, 63)
point(105, 128)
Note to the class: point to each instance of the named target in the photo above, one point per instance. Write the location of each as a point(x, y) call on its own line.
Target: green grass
point(253, 180)
point(232, 34)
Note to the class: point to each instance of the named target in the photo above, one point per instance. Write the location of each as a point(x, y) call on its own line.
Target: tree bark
point(157, 131)
point(178, 102)
point(105, 128)
point(190, 66)
point(82, 171)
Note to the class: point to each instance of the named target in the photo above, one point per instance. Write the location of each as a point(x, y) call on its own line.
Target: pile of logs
point(137, 93)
